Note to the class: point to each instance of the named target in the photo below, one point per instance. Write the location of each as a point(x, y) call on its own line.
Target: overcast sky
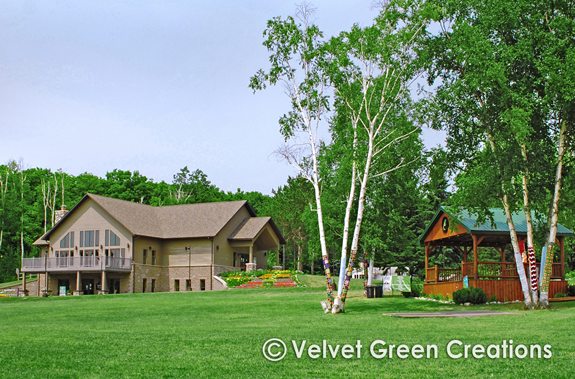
point(90, 86)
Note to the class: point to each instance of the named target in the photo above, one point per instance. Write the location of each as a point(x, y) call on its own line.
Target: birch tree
point(503, 70)
point(296, 62)
point(371, 72)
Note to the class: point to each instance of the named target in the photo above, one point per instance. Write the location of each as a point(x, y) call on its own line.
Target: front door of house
point(244, 258)
point(88, 286)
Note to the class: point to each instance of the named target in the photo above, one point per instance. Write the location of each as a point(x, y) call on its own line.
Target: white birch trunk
point(513, 235)
point(529, 222)
point(517, 254)
point(350, 199)
point(360, 207)
point(546, 271)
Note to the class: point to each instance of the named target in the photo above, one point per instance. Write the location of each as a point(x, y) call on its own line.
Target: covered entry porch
point(253, 238)
point(496, 278)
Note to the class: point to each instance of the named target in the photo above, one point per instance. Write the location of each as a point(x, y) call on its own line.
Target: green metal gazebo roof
point(499, 225)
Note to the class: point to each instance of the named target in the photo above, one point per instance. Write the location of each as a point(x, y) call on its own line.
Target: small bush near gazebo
point(470, 295)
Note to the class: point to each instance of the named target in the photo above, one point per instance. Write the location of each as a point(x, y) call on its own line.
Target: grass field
point(221, 334)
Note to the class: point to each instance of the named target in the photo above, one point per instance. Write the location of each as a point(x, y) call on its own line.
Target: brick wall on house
point(149, 272)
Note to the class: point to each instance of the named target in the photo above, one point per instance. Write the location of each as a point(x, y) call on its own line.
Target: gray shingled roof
point(176, 221)
point(249, 228)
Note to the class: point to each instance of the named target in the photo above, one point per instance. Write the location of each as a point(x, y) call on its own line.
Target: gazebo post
point(426, 261)
point(562, 250)
point(475, 264)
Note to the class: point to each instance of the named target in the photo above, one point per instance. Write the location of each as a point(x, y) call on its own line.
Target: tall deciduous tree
point(501, 63)
point(296, 61)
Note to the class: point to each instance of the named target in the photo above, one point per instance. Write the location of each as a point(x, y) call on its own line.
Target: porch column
point(278, 256)
point(78, 282)
point(562, 250)
point(475, 264)
point(250, 266)
point(103, 288)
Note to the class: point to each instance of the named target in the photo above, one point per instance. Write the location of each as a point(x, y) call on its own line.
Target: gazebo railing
point(486, 270)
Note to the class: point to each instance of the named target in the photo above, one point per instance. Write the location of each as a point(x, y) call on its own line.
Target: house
point(106, 245)
point(462, 230)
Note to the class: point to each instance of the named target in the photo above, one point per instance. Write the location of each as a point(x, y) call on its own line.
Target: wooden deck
point(504, 290)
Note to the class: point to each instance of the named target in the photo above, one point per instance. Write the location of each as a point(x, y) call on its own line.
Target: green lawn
point(221, 334)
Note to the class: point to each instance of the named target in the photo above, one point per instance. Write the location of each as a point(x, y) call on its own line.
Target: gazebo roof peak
point(497, 225)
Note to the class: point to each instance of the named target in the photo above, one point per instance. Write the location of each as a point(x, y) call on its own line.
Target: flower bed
point(261, 279)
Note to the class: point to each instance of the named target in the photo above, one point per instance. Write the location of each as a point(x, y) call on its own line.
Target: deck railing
point(89, 263)
point(485, 270)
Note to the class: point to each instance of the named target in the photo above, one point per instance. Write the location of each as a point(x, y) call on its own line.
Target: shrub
point(416, 287)
point(461, 296)
point(477, 296)
point(234, 281)
point(493, 298)
point(559, 295)
point(407, 294)
point(571, 290)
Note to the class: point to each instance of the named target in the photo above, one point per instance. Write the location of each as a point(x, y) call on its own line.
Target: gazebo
point(500, 279)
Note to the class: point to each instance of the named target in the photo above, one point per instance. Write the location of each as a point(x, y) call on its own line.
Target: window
point(188, 285)
point(67, 241)
point(89, 238)
point(144, 285)
point(177, 285)
point(111, 239)
point(154, 257)
point(202, 284)
point(145, 256)
point(153, 285)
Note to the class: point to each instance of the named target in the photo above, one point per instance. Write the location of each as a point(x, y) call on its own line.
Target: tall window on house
point(154, 257)
point(145, 256)
point(188, 285)
point(202, 284)
point(111, 239)
point(153, 285)
point(177, 285)
point(67, 241)
point(89, 238)
point(144, 282)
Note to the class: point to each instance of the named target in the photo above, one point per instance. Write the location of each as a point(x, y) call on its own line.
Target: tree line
point(503, 91)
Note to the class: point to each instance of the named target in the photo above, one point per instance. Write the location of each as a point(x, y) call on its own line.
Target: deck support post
point(78, 283)
point(103, 290)
point(24, 290)
point(436, 274)
point(463, 271)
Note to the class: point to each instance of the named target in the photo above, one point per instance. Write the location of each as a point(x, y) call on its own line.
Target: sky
point(152, 86)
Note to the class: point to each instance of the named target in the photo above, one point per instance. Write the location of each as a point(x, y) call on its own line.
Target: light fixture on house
point(76, 248)
point(128, 246)
point(218, 247)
